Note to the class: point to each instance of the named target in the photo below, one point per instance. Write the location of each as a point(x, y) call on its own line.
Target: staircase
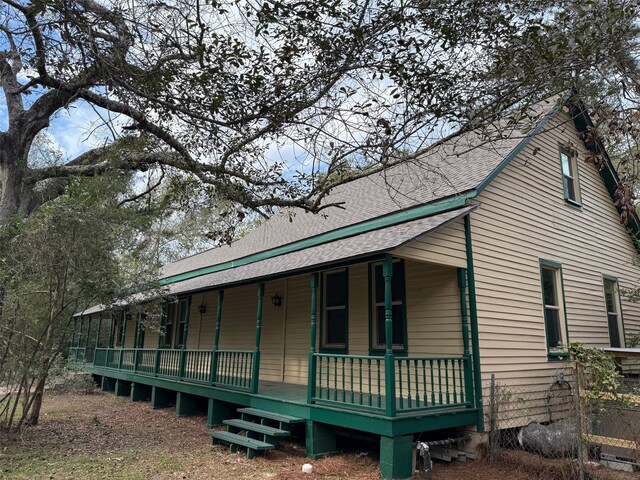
point(256, 430)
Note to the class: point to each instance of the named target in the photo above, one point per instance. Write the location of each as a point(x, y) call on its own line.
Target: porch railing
point(233, 368)
point(432, 382)
point(353, 380)
point(421, 383)
point(77, 354)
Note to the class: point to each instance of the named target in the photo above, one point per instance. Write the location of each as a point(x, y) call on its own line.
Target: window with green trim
point(174, 321)
point(379, 337)
point(612, 304)
point(553, 301)
point(118, 329)
point(570, 182)
point(335, 308)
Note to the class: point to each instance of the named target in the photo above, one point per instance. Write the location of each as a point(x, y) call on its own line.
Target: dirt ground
point(101, 436)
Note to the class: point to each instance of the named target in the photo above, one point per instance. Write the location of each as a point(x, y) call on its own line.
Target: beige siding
point(298, 317)
point(523, 218)
point(445, 246)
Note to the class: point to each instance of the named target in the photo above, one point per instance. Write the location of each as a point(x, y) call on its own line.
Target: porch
point(393, 357)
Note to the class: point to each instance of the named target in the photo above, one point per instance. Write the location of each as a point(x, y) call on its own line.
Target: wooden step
point(254, 412)
point(235, 440)
point(256, 427)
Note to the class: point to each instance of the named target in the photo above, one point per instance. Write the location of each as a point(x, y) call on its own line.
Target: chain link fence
point(559, 427)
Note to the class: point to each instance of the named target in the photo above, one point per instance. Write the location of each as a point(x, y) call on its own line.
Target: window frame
point(618, 305)
point(177, 324)
point(555, 353)
point(324, 346)
point(375, 348)
point(575, 177)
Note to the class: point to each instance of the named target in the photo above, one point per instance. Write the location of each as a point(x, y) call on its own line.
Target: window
point(118, 329)
point(379, 337)
point(335, 310)
point(554, 312)
point(614, 320)
point(176, 316)
point(570, 183)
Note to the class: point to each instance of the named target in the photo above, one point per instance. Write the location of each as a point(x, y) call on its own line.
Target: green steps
point(258, 430)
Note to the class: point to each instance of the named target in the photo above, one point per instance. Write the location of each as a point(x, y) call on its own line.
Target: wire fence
point(560, 428)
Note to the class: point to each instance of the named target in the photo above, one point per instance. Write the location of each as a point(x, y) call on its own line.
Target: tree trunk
point(16, 193)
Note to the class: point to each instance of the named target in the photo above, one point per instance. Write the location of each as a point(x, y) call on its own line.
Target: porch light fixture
point(202, 308)
point(276, 300)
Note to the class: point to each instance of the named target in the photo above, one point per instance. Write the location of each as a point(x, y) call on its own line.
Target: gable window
point(612, 304)
point(335, 309)
point(570, 183)
point(554, 311)
point(379, 337)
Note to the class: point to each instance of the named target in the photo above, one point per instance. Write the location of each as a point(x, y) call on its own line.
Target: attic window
point(570, 181)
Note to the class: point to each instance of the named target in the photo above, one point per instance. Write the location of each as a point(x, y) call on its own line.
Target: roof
point(458, 166)
point(363, 245)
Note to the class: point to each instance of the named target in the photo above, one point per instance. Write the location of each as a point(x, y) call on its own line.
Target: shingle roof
point(453, 168)
point(357, 246)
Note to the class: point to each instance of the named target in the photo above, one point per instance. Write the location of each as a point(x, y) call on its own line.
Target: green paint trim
point(473, 313)
point(583, 122)
point(373, 349)
point(323, 347)
point(439, 206)
point(311, 365)
point(549, 264)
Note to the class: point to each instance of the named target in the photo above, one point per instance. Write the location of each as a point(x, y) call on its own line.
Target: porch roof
point(364, 244)
point(351, 248)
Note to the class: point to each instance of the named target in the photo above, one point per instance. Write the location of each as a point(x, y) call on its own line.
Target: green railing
point(234, 368)
point(349, 379)
point(100, 357)
point(421, 383)
point(77, 354)
point(127, 359)
point(197, 365)
point(145, 360)
point(432, 382)
point(168, 363)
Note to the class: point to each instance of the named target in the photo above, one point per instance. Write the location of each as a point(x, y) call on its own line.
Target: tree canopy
point(264, 103)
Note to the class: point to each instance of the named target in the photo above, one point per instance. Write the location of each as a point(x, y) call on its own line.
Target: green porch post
point(389, 357)
point(255, 373)
point(98, 332)
point(216, 340)
point(475, 344)
point(468, 375)
point(311, 382)
point(185, 332)
point(111, 329)
point(86, 340)
point(156, 363)
point(136, 340)
point(125, 316)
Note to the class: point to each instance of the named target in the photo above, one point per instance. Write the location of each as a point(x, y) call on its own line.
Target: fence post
point(581, 452)
point(493, 412)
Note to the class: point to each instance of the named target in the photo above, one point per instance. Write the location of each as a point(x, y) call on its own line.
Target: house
point(389, 315)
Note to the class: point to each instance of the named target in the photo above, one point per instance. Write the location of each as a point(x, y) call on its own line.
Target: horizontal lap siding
point(523, 217)
point(433, 310)
point(445, 246)
point(298, 318)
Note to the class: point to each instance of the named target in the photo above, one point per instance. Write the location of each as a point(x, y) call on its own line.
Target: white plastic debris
point(307, 468)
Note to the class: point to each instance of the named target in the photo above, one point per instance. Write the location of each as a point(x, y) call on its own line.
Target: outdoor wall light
point(202, 308)
point(276, 300)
